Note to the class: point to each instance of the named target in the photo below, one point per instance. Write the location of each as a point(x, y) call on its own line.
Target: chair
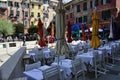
point(33, 55)
point(112, 57)
point(103, 61)
point(32, 66)
point(52, 73)
point(97, 64)
point(80, 52)
point(61, 57)
point(78, 68)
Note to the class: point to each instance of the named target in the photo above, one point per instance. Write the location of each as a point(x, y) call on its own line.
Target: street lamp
point(23, 7)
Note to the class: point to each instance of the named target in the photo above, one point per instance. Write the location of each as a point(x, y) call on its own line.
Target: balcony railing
point(3, 0)
point(77, 1)
point(38, 1)
point(3, 5)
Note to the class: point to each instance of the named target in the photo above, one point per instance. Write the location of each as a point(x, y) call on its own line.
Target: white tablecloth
point(65, 65)
point(88, 57)
point(36, 74)
point(107, 48)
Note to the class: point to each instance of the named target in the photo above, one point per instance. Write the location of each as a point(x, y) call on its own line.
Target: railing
point(38, 1)
point(4, 0)
point(3, 5)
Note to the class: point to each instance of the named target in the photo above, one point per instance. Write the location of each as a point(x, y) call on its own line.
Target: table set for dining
point(66, 64)
point(35, 74)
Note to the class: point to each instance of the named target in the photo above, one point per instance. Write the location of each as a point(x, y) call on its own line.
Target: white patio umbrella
point(61, 46)
point(111, 28)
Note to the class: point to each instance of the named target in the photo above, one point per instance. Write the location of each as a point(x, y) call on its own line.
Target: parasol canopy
point(95, 42)
point(40, 33)
point(61, 46)
point(83, 33)
point(69, 32)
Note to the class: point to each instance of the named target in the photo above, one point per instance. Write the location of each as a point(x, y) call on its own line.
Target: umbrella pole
point(58, 59)
point(43, 57)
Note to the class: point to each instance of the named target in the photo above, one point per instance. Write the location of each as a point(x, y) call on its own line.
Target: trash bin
point(4, 45)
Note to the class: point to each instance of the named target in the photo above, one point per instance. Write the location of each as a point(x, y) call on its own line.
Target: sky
point(66, 0)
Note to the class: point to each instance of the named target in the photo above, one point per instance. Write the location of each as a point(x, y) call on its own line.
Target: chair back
point(96, 58)
point(52, 73)
point(32, 66)
point(60, 58)
point(77, 66)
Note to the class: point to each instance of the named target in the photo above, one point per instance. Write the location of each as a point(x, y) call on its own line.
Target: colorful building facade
point(3, 9)
point(19, 13)
point(35, 12)
point(83, 9)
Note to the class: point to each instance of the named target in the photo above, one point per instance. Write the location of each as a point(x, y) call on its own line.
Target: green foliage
point(19, 28)
point(6, 27)
point(33, 29)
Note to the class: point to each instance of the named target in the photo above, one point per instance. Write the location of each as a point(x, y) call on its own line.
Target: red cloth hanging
point(52, 34)
point(69, 32)
point(83, 33)
point(40, 32)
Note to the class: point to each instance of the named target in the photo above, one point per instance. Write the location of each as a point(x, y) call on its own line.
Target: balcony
point(77, 1)
point(4, 0)
point(37, 1)
point(3, 5)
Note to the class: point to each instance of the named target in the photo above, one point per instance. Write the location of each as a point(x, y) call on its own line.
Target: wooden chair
point(78, 69)
point(52, 73)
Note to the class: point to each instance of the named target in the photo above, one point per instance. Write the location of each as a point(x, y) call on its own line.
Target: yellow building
point(35, 12)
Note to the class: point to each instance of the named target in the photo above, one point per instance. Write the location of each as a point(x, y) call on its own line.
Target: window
point(96, 2)
point(27, 5)
point(106, 14)
point(11, 13)
point(108, 1)
point(18, 13)
point(16, 4)
point(101, 2)
point(2, 11)
point(85, 19)
point(70, 15)
point(105, 1)
point(67, 8)
point(39, 6)
point(91, 4)
point(25, 23)
point(10, 3)
point(66, 16)
point(32, 24)
point(78, 8)
point(32, 5)
point(84, 6)
point(38, 15)
point(76, 20)
point(26, 14)
point(32, 14)
point(80, 19)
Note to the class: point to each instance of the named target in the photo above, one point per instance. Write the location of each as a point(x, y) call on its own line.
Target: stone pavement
point(112, 74)
point(7, 52)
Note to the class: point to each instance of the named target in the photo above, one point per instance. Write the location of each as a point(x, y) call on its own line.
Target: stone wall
point(13, 67)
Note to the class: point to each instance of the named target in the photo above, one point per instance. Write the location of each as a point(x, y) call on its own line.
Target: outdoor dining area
point(71, 59)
